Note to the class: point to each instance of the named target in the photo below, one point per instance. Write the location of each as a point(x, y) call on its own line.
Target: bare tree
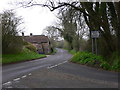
point(53, 34)
point(101, 16)
point(11, 42)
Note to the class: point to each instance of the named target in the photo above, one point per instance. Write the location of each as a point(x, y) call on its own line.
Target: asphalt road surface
point(55, 71)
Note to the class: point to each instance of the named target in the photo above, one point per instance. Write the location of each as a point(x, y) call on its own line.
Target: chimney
point(31, 34)
point(23, 34)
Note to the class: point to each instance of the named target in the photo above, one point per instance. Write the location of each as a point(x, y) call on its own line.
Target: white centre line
point(16, 79)
point(49, 67)
point(56, 65)
point(29, 74)
point(65, 61)
point(24, 76)
point(7, 83)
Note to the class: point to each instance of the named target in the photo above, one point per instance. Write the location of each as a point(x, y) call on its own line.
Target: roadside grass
point(72, 52)
point(93, 60)
point(25, 55)
point(54, 51)
point(0, 59)
point(115, 61)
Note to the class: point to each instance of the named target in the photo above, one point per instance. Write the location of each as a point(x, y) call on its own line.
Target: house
point(41, 42)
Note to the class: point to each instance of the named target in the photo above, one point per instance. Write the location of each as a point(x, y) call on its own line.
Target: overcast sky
point(35, 18)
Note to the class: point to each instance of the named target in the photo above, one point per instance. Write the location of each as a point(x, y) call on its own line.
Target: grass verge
point(54, 51)
point(94, 61)
point(72, 52)
point(23, 56)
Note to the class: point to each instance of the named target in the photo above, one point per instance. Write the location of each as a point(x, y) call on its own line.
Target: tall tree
point(11, 43)
point(101, 16)
point(53, 34)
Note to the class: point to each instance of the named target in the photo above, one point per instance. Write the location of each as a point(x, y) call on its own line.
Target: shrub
point(25, 43)
point(90, 59)
point(115, 61)
point(98, 61)
point(85, 56)
point(11, 42)
point(31, 47)
point(116, 65)
point(12, 45)
point(105, 65)
point(25, 55)
point(72, 52)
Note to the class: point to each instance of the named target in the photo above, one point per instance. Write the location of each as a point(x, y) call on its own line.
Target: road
point(55, 71)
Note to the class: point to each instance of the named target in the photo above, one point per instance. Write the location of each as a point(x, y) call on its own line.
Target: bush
point(115, 61)
point(105, 65)
point(90, 59)
point(72, 52)
point(12, 45)
point(11, 42)
point(25, 43)
point(25, 55)
point(31, 47)
point(116, 67)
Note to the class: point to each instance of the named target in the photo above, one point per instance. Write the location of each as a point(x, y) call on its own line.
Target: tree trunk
point(117, 7)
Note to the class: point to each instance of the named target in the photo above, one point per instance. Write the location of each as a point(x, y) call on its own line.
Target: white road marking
point(7, 83)
point(16, 79)
point(29, 74)
point(24, 76)
point(65, 61)
point(49, 67)
point(56, 65)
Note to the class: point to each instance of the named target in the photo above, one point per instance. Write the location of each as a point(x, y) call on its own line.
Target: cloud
point(35, 18)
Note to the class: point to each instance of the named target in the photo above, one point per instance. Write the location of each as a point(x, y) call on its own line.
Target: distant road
point(55, 71)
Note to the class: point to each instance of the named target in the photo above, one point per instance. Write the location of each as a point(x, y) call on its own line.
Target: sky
point(35, 19)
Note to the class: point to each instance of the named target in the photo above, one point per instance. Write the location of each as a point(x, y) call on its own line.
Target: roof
point(36, 39)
